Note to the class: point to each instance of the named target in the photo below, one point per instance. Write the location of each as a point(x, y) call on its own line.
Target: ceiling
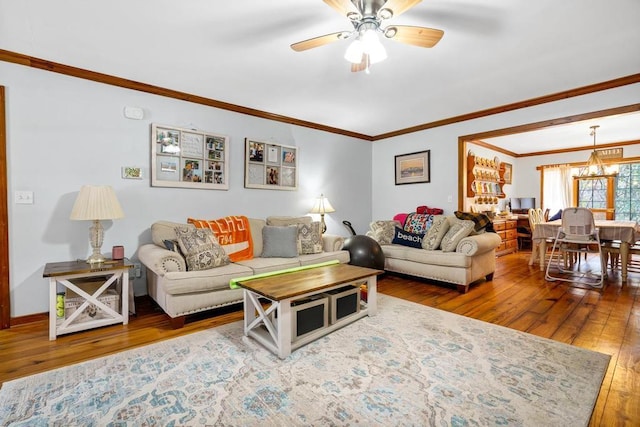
point(493, 53)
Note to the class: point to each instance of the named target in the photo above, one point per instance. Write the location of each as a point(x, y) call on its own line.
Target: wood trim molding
point(584, 90)
point(29, 61)
point(81, 73)
point(5, 301)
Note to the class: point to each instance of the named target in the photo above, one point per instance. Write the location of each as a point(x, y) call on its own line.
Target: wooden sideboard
point(507, 229)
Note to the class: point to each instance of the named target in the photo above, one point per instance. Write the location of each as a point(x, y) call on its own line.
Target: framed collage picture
point(189, 158)
point(270, 166)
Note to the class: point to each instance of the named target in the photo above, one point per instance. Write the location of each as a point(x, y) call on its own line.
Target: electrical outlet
point(23, 197)
point(137, 270)
point(450, 199)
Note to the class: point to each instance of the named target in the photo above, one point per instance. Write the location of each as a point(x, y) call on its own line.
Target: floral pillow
point(309, 238)
point(383, 231)
point(458, 230)
point(436, 233)
point(200, 248)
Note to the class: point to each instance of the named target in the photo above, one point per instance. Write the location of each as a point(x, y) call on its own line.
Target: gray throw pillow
point(279, 242)
point(458, 230)
point(436, 233)
point(200, 248)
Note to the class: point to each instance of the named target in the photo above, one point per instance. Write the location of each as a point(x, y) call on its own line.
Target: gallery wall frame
point(413, 168)
point(270, 166)
point(189, 158)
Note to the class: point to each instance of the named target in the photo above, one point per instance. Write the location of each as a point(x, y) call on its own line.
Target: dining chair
point(577, 235)
point(611, 255)
point(536, 217)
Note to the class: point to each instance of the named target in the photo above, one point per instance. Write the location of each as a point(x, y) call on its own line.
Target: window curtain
point(558, 188)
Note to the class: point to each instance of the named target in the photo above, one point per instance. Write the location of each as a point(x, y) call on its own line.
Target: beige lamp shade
point(322, 206)
point(95, 203)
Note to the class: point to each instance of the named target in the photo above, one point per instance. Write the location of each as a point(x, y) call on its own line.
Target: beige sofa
point(473, 259)
point(180, 292)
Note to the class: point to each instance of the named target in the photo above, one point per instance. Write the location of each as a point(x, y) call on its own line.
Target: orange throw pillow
point(233, 234)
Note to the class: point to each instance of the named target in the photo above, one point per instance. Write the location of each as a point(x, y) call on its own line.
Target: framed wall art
point(508, 171)
point(270, 166)
point(189, 158)
point(413, 168)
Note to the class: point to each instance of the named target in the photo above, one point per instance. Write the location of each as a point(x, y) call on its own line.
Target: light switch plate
point(23, 197)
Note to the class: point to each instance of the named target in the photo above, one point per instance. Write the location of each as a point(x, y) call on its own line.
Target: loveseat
point(438, 247)
point(180, 290)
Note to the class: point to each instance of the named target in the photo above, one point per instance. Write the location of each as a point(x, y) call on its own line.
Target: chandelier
point(595, 165)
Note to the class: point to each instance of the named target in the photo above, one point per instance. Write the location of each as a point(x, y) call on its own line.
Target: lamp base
point(96, 259)
point(96, 236)
point(323, 226)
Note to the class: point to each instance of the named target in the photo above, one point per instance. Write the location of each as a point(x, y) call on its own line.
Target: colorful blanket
point(233, 234)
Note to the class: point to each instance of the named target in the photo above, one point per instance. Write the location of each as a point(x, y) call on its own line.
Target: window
point(627, 194)
point(596, 193)
point(618, 196)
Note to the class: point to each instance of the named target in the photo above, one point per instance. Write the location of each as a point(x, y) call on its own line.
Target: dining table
point(626, 232)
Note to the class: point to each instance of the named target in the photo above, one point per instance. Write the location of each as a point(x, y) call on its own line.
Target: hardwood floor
point(518, 298)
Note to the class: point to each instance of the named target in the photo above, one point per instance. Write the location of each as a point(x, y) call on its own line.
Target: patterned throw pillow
point(434, 236)
point(309, 238)
point(480, 220)
point(383, 232)
point(200, 248)
point(458, 230)
point(406, 238)
point(418, 223)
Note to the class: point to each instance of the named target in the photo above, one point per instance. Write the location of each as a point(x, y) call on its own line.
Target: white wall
point(64, 132)
point(441, 192)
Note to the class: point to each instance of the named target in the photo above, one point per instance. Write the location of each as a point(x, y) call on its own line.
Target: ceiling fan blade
point(362, 65)
point(342, 6)
point(398, 7)
point(417, 36)
point(319, 41)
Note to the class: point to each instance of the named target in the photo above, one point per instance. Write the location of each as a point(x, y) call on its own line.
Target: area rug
point(409, 365)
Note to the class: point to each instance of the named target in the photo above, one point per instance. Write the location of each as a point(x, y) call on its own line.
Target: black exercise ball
point(364, 252)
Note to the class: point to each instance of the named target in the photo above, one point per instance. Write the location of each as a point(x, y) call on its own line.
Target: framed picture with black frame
point(413, 168)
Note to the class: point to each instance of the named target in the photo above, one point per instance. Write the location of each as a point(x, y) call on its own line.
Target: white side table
point(68, 272)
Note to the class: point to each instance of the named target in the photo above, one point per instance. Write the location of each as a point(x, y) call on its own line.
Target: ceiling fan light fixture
point(372, 46)
point(354, 52)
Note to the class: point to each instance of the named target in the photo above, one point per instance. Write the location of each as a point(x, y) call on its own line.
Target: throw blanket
point(233, 234)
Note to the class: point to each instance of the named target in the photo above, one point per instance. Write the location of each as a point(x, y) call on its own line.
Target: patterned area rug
point(409, 365)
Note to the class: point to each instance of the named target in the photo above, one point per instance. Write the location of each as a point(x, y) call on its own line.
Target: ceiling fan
point(367, 17)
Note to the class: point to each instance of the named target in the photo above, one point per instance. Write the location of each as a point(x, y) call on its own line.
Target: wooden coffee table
point(271, 324)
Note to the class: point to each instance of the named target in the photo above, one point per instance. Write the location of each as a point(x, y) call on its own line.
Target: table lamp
point(322, 206)
point(96, 203)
